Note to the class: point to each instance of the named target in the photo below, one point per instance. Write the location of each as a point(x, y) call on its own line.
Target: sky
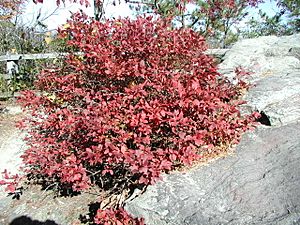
point(61, 14)
point(269, 7)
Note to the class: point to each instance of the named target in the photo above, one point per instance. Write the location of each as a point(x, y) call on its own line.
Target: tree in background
point(214, 19)
point(291, 8)
point(15, 37)
point(217, 20)
point(265, 25)
point(286, 21)
point(98, 5)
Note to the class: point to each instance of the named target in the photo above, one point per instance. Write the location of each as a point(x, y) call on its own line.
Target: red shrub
point(142, 97)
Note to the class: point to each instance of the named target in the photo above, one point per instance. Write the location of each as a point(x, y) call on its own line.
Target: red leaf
point(11, 188)
point(196, 102)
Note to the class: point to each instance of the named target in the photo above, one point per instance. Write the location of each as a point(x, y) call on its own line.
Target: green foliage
point(291, 8)
point(21, 39)
point(3, 85)
point(17, 39)
point(28, 70)
point(286, 21)
point(266, 25)
point(27, 73)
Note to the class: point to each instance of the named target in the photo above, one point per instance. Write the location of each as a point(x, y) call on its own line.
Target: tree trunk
point(98, 9)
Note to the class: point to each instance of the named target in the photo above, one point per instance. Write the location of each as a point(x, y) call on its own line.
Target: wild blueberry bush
point(135, 96)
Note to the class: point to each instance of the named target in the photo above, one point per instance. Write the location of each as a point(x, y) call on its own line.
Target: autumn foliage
point(9, 8)
point(141, 96)
point(134, 96)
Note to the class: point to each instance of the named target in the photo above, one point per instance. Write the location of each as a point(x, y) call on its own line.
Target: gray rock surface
point(275, 66)
point(260, 183)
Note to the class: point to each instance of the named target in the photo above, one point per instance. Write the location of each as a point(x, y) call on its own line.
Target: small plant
point(3, 84)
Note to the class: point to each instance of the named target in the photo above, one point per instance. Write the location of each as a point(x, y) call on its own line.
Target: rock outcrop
point(274, 64)
point(259, 184)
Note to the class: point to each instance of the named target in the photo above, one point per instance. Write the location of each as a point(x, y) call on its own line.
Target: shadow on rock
point(24, 220)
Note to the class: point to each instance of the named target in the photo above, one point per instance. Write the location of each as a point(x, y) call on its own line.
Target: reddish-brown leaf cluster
point(116, 217)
